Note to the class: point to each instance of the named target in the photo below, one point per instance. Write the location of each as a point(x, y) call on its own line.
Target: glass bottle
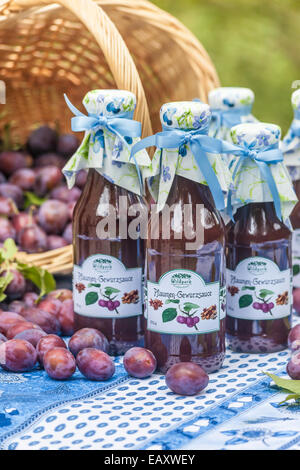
point(258, 250)
point(185, 304)
point(108, 266)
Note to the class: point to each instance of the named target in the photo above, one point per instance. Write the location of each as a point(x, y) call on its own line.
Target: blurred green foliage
point(253, 43)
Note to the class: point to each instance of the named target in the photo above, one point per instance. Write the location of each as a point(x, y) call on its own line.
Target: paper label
point(258, 290)
point(104, 288)
point(181, 303)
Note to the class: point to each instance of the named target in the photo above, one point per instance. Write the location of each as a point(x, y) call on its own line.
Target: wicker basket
point(74, 46)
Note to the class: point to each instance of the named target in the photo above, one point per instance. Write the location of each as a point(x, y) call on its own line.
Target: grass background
point(253, 43)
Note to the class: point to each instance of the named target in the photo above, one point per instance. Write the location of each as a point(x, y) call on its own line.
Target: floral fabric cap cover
point(248, 184)
point(291, 142)
point(188, 116)
point(235, 104)
point(104, 150)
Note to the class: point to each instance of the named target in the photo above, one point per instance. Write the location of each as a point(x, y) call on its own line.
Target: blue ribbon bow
point(230, 117)
point(263, 158)
point(200, 144)
point(119, 126)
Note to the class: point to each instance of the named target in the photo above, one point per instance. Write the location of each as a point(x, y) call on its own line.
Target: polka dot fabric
point(145, 414)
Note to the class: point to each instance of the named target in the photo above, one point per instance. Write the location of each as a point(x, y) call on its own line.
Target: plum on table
point(61, 294)
point(7, 319)
point(95, 364)
point(50, 305)
point(66, 317)
point(88, 338)
point(139, 362)
point(32, 335)
point(47, 343)
point(186, 378)
point(17, 355)
point(293, 366)
point(59, 363)
point(19, 328)
point(49, 323)
point(30, 299)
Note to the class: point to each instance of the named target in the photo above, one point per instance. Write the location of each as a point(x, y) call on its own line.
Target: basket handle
point(111, 43)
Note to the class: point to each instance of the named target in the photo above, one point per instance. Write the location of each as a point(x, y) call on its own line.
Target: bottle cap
point(185, 115)
point(256, 136)
point(115, 103)
point(227, 98)
point(296, 102)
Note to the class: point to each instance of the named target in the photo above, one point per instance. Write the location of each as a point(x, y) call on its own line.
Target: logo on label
point(181, 280)
point(102, 264)
point(257, 268)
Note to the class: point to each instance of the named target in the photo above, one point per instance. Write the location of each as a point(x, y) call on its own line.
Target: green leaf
point(296, 269)
point(189, 306)
point(91, 298)
point(94, 285)
point(4, 282)
point(40, 277)
point(171, 301)
point(169, 314)
point(110, 290)
point(248, 288)
point(294, 396)
point(9, 249)
point(32, 199)
point(287, 384)
point(263, 293)
point(245, 301)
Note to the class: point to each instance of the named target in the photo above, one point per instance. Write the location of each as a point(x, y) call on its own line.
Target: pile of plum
point(35, 205)
point(29, 335)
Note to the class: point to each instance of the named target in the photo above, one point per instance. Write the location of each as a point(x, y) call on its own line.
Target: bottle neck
point(260, 210)
point(190, 192)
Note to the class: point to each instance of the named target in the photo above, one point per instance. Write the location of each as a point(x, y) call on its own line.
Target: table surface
point(238, 410)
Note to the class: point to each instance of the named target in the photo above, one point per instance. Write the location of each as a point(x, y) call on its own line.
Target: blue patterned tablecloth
point(238, 410)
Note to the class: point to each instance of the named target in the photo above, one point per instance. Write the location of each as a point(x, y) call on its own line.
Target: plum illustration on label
point(258, 290)
point(182, 303)
point(105, 288)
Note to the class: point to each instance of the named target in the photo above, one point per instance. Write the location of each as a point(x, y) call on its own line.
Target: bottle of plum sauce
point(258, 246)
point(185, 301)
point(291, 149)
point(108, 268)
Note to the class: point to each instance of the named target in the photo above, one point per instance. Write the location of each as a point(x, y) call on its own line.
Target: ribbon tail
point(209, 175)
point(72, 107)
point(139, 175)
point(267, 175)
point(229, 209)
